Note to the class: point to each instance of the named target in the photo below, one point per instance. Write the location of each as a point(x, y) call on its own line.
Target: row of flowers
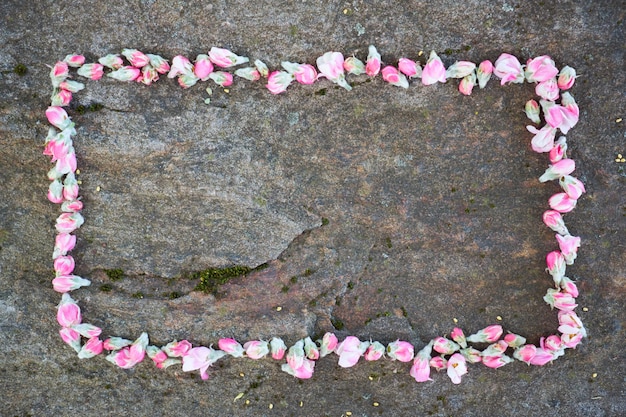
point(560, 113)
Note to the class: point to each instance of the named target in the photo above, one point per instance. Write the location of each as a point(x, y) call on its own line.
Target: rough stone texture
point(431, 200)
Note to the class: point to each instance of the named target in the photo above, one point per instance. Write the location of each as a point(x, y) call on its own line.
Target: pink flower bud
point(489, 334)
point(566, 79)
point(68, 222)
point(66, 283)
point(438, 362)
point(525, 353)
point(159, 63)
point(460, 69)
point(74, 60)
point(400, 350)
point(71, 337)
point(295, 355)
point(306, 74)
point(394, 77)
point(249, 73)
point(64, 265)
point(92, 348)
point(495, 349)
point(310, 349)
point(573, 187)
point(570, 104)
point(350, 350)
point(560, 300)
point(541, 357)
point(532, 111)
point(548, 90)
point(540, 69)
point(330, 65)
point(68, 312)
point(66, 163)
point(70, 187)
point(570, 341)
point(508, 69)
point(278, 348)
point(148, 75)
point(456, 368)
point(136, 58)
point(256, 349)
point(72, 86)
point(304, 371)
point(374, 351)
point(87, 330)
point(569, 286)
point(372, 65)
point(483, 73)
point(569, 247)
point(224, 58)
point(112, 61)
point(558, 151)
point(543, 141)
point(328, 344)
point(221, 78)
point(115, 343)
point(421, 364)
point(551, 343)
point(72, 206)
point(130, 356)
point(558, 116)
point(59, 73)
point(55, 192)
point(409, 68)
point(556, 265)
point(570, 323)
point(467, 84)
point(91, 71)
point(354, 65)
point(445, 346)
point(562, 203)
point(63, 243)
point(232, 347)
point(433, 71)
point(58, 117)
point(61, 98)
point(157, 355)
point(203, 67)
point(187, 80)
point(177, 349)
point(278, 81)
point(496, 361)
point(127, 73)
point(558, 169)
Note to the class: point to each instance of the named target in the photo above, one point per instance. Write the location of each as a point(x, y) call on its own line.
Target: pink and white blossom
point(489, 334)
point(295, 355)
point(68, 222)
point(350, 350)
point(224, 58)
point(400, 350)
point(543, 141)
point(278, 81)
point(72, 206)
point(525, 353)
point(330, 65)
point(556, 265)
point(203, 67)
point(180, 66)
point(74, 60)
point(540, 69)
point(409, 68)
point(394, 77)
point(71, 337)
point(496, 361)
point(532, 111)
point(63, 243)
point(66, 283)
point(311, 350)
point(559, 150)
point(126, 73)
point(248, 73)
point(131, 355)
point(200, 358)
point(548, 90)
point(438, 362)
point(61, 98)
point(231, 346)
point(64, 265)
point(112, 61)
point(87, 330)
point(560, 300)
point(304, 371)
point(573, 187)
point(177, 349)
point(373, 63)
point(456, 368)
point(305, 74)
point(55, 192)
point(562, 203)
point(136, 58)
point(445, 346)
point(558, 116)
point(58, 73)
point(433, 71)
point(569, 247)
point(569, 286)
point(261, 67)
point(70, 187)
point(159, 63)
point(508, 68)
point(58, 117)
point(221, 78)
point(72, 86)
point(541, 357)
point(421, 364)
point(472, 355)
point(256, 349)
point(460, 69)
point(558, 170)
point(148, 75)
point(467, 84)
point(116, 343)
point(459, 337)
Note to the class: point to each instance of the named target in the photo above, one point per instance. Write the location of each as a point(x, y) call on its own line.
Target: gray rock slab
point(382, 213)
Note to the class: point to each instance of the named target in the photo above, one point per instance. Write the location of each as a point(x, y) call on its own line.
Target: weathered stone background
point(397, 211)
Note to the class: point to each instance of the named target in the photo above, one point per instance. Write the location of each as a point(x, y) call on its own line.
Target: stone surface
point(382, 212)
